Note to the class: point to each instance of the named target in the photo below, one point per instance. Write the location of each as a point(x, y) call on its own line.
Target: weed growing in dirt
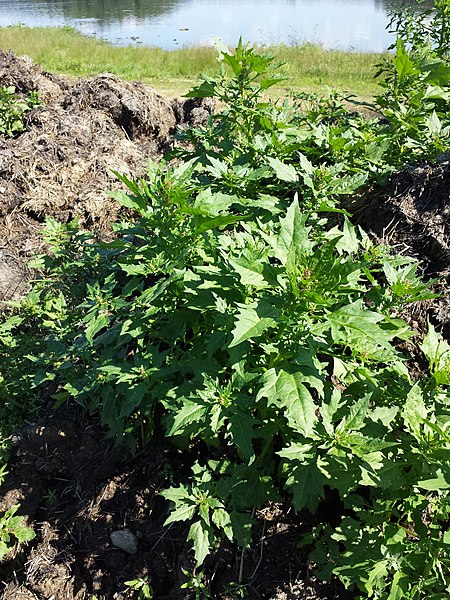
point(196, 583)
point(13, 109)
point(243, 315)
point(13, 528)
point(142, 586)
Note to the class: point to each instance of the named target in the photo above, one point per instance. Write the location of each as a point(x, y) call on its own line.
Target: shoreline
point(308, 67)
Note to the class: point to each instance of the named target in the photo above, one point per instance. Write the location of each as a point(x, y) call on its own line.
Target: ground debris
point(22, 73)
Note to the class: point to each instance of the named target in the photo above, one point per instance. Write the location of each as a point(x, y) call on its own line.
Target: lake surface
point(341, 24)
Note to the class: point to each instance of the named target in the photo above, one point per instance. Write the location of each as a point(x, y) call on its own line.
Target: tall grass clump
point(311, 66)
point(65, 50)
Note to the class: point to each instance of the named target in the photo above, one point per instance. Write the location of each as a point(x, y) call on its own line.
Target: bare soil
point(74, 486)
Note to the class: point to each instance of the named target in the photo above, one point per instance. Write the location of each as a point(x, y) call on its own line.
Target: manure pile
point(61, 166)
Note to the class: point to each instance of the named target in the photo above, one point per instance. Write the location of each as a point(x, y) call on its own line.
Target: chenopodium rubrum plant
point(13, 110)
point(425, 29)
point(294, 374)
point(416, 82)
point(267, 339)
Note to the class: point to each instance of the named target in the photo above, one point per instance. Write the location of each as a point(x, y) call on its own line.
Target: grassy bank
point(64, 50)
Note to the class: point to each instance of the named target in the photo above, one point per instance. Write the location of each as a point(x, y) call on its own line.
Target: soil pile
point(78, 492)
point(25, 76)
point(61, 166)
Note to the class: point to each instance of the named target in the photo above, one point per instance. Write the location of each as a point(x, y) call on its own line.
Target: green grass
point(64, 50)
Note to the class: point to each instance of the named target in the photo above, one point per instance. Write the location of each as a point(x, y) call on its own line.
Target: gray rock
point(125, 540)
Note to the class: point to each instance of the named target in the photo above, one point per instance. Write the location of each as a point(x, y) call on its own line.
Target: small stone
point(125, 540)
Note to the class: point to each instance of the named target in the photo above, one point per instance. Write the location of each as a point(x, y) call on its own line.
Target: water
point(341, 24)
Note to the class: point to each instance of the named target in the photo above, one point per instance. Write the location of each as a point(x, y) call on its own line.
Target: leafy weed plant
point(13, 109)
point(237, 317)
point(142, 586)
point(13, 528)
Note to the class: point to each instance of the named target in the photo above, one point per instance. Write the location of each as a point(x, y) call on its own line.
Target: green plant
point(198, 502)
point(51, 496)
point(235, 314)
point(236, 590)
point(416, 82)
point(396, 543)
point(3, 473)
point(13, 526)
point(424, 30)
point(416, 103)
point(195, 583)
point(13, 108)
point(142, 586)
point(15, 405)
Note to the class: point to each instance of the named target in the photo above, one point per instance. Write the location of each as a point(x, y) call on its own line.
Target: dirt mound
point(61, 166)
point(13, 275)
point(25, 76)
point(134, 107)
point(412, 213)
point(193, 111)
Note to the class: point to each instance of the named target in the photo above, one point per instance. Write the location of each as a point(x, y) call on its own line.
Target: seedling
point(13, 527)
point(195, 583)
point(142, 586)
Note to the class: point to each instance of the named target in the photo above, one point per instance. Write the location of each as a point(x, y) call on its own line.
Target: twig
point(261, 551)
point(241, 566)
point(161, 537)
